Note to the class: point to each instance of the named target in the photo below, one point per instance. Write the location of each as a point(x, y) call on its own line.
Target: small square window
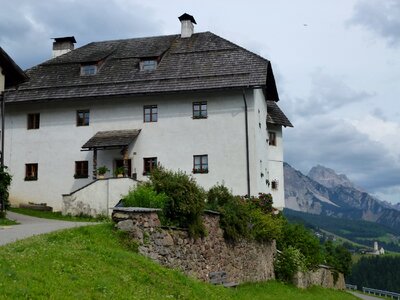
point(200, 110)
point(274, 184)
point(31, 172)
point(81, 169)
point(88, 70)
point(82, 117)
point(33, 121)
point(148, 65)
point(272, 138)
point(150, 113)
point(149, 163)
point(200, 163)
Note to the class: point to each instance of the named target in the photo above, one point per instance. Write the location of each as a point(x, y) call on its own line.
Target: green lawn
point(94, 262)
point(54, 215)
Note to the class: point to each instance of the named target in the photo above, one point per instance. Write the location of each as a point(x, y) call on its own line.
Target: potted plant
point(101, 171)
point(119, 172)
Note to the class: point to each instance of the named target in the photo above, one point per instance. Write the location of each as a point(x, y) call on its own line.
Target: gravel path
point(30, 226)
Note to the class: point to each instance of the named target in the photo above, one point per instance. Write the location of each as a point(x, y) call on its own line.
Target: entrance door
point(120, 163)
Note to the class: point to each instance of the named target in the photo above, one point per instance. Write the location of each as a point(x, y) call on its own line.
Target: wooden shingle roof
point(111, 139)
point(13, 73)
point(276, 116)
point(204, 61)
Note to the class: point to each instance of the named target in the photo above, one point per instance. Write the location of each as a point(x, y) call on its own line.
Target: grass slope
point(53, 215)
point(92, 263)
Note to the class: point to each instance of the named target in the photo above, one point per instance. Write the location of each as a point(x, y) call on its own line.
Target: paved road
point(365, 297)
point(30, 226)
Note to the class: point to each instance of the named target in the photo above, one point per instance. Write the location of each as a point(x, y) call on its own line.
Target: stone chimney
point(63, 45)
point(187, 27)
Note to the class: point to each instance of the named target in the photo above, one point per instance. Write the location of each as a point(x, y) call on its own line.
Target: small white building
point(193, 102)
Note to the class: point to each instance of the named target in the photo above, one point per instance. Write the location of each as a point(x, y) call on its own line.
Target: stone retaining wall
point(244, 261)
point(323, 276)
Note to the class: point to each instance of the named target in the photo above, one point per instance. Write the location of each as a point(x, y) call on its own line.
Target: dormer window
point(148, 64)
point(87, 70)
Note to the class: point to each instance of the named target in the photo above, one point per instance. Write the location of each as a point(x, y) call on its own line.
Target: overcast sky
point(336, 62)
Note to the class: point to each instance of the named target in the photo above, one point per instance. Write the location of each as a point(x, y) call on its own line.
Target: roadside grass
point(56, 215)
point(93, 262)
point(7, 222)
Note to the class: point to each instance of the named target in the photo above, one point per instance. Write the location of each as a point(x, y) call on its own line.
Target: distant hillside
point(357, 231)
point(323, 192)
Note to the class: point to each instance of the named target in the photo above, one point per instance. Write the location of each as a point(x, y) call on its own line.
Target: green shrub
point(234, 219)
point(217, 197)
point(263, 202)
point(241, 217)
point(185, 199)
point(288, 262)
point(337, 257)
point(5, 181)
point(144, 195)
point(265, 227)
point(296, 235)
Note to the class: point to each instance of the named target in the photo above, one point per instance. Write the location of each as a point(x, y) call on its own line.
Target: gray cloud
point(338, 145)
point(380, 17)
point(327, 94)
point(26, 29)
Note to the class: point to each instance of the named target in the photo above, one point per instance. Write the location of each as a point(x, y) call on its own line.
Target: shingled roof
point(111, 139)
point(204, 61)
point(13, 73)
point(276, 116)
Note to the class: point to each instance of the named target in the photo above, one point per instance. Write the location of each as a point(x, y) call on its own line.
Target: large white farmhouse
point(193, 102)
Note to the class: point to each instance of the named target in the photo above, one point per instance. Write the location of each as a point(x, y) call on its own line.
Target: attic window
point(148, 64)
point(87, 70)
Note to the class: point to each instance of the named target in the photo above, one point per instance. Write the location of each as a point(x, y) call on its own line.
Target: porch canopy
point(113, 139)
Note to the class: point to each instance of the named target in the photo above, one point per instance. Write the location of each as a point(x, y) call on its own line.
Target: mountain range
point(324, 192)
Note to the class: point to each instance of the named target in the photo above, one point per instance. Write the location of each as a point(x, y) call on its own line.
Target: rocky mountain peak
point(328, 177)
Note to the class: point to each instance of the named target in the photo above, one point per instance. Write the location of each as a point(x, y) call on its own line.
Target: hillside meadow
point(95, 262)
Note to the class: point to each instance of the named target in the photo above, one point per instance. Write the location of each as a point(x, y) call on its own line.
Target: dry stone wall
point(244, 261)
point(323, 276)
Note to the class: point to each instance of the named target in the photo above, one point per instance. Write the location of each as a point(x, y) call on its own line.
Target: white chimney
point(63, 45)
point(187, 27)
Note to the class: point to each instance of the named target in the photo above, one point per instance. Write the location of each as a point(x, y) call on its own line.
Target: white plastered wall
point(275, 163)
point(174, 139)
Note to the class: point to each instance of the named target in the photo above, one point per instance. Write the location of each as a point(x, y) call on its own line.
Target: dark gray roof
point(13, 73)
point(276, 116)
point(111, 139)
point(202, 62)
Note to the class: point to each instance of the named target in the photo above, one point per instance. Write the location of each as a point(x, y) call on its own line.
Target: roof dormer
point(148, 64)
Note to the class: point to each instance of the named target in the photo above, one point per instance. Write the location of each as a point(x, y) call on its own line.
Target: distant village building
point(377, 250)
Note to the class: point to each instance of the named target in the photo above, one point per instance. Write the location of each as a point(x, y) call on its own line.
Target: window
point(274, 184)
point(200, 110)
point(81, 169)
point(272, 138)
point(82, 117)
point(33, 121)
point(149, 164)
point(88, 70)
point(150, 113)
point(31, 172)
point(200, 163)
point(148, 65)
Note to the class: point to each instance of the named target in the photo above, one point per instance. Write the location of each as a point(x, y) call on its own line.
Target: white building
point(193, 102)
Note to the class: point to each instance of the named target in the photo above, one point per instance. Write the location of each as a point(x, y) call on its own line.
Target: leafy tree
point(296, 235)
point(5, 181)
